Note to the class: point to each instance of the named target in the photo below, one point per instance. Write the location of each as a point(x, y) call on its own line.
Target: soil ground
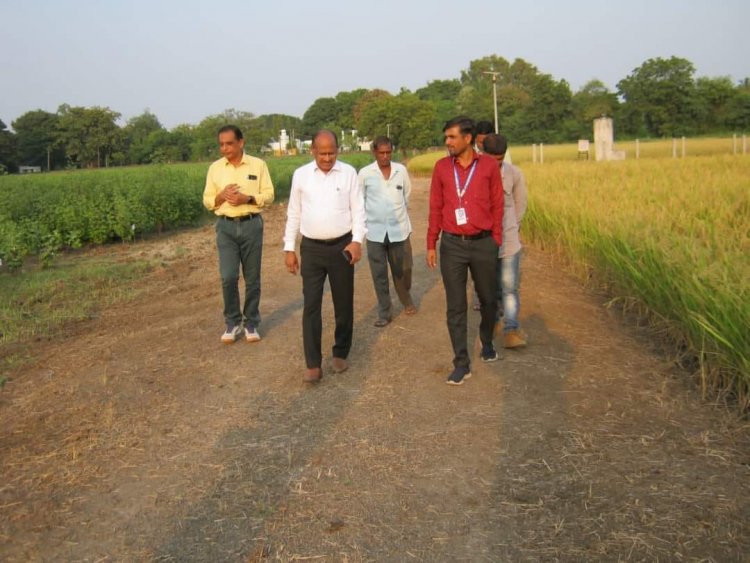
point(138, 436)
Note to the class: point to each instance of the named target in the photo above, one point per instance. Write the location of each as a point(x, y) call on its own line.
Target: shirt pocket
point(340, 198)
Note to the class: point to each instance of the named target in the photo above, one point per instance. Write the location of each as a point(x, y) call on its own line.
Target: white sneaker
point(231, 335)
point(251, 334)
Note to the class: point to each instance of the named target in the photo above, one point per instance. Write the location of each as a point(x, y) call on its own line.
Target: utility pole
point(494, 91)
point(388, 129)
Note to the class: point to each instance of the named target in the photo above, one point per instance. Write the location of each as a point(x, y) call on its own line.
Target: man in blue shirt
point(386, 188)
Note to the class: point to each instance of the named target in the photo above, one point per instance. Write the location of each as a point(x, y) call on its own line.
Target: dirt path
point(142, 438)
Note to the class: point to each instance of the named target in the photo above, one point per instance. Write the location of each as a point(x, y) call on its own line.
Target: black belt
point(329, 241)
point(481, 234)
point(241, 217)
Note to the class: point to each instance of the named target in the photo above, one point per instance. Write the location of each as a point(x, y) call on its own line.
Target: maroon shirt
point(483, 200)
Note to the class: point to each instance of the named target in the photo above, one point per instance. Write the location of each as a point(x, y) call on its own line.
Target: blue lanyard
point(459, 190)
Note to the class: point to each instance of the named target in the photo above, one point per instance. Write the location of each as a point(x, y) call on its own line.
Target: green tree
point(89, 136)
point(532, 106)
point(661, 94)
point(593, 100)
point(714, 98)
point(408, 118)
point(345, 104)
point(205, 144)
point(443, 94)
point(267, 127)
point(738, 108)
point(140, 144)
point(7, 149)
point(36, 137)
point(323, 113)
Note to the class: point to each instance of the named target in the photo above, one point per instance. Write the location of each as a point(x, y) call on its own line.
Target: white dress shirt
point(386, 202)
point(324, 206)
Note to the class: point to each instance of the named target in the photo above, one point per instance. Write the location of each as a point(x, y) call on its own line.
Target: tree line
point(660, 98)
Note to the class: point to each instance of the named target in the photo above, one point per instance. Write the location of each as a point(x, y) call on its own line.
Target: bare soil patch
point(141, 437)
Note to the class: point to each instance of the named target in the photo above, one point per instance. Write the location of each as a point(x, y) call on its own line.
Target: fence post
point(541, 153)
point(533, 153)
point(683, 146)
point(744, 144)
point(734, 143)
point(674, 147)
point(637, 149)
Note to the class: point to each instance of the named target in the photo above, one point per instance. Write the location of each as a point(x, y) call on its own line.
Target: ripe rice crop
point(658, 148)
point(672, 235)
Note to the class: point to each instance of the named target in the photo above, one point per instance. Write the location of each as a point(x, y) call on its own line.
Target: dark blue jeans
point(240, 246)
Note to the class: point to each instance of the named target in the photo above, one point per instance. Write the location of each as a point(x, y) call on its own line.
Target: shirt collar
point(336, 166)
point(475, 157)
point(245, 159)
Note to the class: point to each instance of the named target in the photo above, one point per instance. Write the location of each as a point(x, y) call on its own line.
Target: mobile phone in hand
point(347, 255)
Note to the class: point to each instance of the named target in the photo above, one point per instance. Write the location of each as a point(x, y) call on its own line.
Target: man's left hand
point(355, 249)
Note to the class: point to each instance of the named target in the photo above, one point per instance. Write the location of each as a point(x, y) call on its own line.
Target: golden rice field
point(669, 236)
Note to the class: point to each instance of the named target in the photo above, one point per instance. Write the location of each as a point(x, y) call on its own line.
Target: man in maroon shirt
point(466, 204)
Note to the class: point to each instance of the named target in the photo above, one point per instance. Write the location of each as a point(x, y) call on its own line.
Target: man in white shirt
point(326, 206)
point(386, 187)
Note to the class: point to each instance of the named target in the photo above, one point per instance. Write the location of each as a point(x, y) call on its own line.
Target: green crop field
point(40, 214)
point(669, 236)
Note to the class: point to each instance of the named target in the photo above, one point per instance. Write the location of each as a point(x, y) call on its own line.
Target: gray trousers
point(398, 256)
point(240, 246)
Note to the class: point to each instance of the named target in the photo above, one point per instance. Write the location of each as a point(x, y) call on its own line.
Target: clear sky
point(184, 60)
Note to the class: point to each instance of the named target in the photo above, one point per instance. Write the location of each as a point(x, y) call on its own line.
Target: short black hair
point(465, 125)
point(381, 140)
point(495, 144)
point(484, 128)
point(320, 132)
point(234, 129)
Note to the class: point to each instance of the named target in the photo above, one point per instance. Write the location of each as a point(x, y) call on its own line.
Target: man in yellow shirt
point(238, 187)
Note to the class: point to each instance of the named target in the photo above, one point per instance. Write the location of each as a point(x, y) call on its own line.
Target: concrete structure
point(604, 140)
point(29, 169)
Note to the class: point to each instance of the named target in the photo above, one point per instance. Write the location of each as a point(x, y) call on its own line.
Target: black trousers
point(321, 260)
point(457, 258)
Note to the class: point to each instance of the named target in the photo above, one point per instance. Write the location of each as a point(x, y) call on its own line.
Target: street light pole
point(494, 91)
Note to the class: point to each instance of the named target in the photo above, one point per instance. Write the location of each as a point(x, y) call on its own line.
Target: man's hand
point(431, 259)
point(355, 249)
point(231, 194)
point(292, 265)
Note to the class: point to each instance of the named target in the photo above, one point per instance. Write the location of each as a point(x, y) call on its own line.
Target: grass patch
point(36, 304)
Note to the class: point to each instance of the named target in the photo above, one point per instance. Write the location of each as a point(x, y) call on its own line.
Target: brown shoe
point(339, 365)
point(312, 375)
point(513, 339)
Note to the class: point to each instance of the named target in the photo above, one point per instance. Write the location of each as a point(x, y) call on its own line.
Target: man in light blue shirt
point(386, 187)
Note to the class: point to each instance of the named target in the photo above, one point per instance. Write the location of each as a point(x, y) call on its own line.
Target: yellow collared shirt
point(251, 176)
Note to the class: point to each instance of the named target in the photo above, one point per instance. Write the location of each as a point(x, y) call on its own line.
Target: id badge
point(460, 216)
